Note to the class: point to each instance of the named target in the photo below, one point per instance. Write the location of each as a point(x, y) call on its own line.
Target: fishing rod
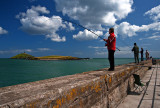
point(84, 28)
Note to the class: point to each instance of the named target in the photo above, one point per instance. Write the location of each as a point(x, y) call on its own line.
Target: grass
point(24, 56)
point(52, 57)
point(58, 57)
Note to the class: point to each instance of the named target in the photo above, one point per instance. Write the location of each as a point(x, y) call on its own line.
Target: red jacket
point(111, 42)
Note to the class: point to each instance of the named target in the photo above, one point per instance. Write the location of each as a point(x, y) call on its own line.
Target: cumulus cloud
point(154, 13)
point(35, 23)
point(95, 13)
point(71, 26)
point(3, 31)
point(125, 29)
point(87, 35)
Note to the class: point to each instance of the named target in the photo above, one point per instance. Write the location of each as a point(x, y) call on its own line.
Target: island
point(57, 57)
point(24, 56)
point(51, 57)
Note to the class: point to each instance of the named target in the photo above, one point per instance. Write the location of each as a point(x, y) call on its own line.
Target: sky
point(37, 27)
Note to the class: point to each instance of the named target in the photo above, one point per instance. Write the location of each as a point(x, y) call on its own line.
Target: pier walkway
point(93, 89)
point(147, 97)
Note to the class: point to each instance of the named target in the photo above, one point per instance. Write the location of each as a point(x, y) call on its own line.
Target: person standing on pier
point(136, 53)
point(147, 55)
point(111, 45)
point(141, 54)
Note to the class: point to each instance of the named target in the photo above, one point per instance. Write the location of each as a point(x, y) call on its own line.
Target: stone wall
point(94, 89)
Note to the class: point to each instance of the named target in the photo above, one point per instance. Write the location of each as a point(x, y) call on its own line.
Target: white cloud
point(15, 51)
point(95, 13)
point(3, 31)
point(124, 51)
point(151, 37)
point(99, 50)
point(95, 47)
point(36, 24)
point(43, 49)
point(32, 0)
point(154, 13)
point(71, 26)
point(101, 53)
point(155, 37)
point(24, 50)
point(87, 35)
point(125, 29)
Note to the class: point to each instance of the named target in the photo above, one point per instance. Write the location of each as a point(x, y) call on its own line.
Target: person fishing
point(136, 53)
point(147, 55)
point(111, 45)
point(141, 54)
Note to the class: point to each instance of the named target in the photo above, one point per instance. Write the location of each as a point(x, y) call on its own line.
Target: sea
point(16, 71)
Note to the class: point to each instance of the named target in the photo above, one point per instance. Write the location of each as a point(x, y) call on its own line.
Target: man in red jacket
point(111, 45)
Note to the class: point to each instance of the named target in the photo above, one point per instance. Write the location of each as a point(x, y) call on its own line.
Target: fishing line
point(84, 28)
point(81, 26)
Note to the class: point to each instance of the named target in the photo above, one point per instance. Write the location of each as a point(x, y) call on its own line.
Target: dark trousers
point(141, 57)
point(111, 58)
point(136, 57)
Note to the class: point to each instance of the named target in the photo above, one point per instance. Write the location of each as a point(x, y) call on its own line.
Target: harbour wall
point(93, 89)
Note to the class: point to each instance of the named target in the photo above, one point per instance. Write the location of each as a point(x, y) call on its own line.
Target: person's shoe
point(110, 69)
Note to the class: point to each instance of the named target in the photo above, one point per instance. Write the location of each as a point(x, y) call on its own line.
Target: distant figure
point(147, 55)
point(141, 54)
point(111, 45)
point(136, 53)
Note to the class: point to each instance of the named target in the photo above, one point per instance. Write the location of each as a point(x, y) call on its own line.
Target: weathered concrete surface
point(92, 89)
point(150, 96)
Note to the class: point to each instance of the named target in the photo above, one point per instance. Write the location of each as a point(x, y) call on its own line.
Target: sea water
point(15, 71)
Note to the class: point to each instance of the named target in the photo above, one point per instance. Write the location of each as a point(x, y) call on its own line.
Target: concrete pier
point(147, 97)
point(94, 89)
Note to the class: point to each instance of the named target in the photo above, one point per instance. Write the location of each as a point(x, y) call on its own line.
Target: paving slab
point(150, 96)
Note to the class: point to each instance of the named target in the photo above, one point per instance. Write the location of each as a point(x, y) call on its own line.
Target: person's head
point(141, 48)
point(146, 50)
point(135, 44)
point(111, 30)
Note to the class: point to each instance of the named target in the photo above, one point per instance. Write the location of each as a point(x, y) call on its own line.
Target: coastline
point(49, 59)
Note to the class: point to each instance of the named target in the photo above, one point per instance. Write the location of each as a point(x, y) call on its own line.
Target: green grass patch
point(24, 56)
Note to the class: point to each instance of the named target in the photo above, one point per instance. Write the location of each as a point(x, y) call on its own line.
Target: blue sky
point(36, 27)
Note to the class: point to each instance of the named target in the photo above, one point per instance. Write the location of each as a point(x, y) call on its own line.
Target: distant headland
point(51, 57)
point(24, 56)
